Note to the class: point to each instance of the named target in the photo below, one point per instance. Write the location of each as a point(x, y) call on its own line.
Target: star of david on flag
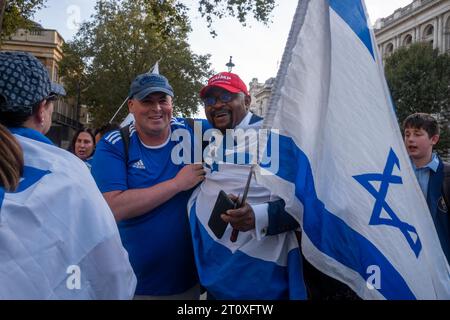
point(386, 178)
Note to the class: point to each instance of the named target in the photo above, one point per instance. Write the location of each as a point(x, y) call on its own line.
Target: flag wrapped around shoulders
point(58, 237)
point(266, 268)
point(343, 169)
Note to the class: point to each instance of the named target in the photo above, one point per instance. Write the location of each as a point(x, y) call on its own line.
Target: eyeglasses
point(51, 97)
point(224, 97)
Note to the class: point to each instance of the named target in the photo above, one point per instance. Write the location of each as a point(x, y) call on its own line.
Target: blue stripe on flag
point(341, 243)
point(30, 177)
point(352, 12)
point(2, 196)
point(238, 276)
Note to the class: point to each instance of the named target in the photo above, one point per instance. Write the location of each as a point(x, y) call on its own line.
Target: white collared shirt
point(423, 173)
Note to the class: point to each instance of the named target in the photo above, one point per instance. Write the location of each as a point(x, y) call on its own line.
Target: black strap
point(446, 185)
point(125, 134)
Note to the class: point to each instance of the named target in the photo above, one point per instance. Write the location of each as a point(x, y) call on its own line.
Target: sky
point(256, 49)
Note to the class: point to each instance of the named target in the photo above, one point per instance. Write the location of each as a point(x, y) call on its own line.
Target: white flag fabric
point(155, 69)
point(343, 169)
point(128, 120)
point(58, 237)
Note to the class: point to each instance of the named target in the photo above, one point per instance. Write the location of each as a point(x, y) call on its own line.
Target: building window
point(407, 40)
point(36, 32)
point(428, 33)
point(389, 49)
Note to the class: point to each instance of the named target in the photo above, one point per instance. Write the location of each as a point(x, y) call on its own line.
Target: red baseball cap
point(225, 80)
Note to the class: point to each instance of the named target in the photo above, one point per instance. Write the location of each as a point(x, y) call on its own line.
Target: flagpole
point(118, 110)
point(155, 69)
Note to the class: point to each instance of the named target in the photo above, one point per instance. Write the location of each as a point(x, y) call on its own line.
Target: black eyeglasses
point(224, 97)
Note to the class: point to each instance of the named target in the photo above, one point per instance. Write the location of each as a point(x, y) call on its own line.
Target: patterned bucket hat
point(24, 81)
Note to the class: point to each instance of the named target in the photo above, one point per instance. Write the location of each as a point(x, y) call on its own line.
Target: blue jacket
point(439, 211)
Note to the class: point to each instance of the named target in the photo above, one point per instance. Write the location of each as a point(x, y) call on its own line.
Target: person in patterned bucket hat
point(59, 239)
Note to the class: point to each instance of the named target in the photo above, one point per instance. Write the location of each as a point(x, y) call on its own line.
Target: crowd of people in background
point(135, 222)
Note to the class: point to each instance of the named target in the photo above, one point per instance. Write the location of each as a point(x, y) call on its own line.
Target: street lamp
point(230, 64)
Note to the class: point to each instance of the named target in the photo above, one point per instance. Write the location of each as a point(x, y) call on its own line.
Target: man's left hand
point(242, 219)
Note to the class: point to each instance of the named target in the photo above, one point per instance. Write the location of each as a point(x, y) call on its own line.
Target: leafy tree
point(419, 80)
point(444, 141)
point(123, 39)
point(17, 14)
point(210, 9)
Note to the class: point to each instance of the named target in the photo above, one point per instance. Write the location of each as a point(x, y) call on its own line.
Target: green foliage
point(419, 80)
point(210, 9)
point(123, 39)
point(18, 14)
point(444, 141)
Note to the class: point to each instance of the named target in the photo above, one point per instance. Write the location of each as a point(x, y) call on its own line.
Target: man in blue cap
point(148, 192)
point(59, 239)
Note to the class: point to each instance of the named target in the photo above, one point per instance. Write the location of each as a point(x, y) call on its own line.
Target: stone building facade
point(260, 93)
point(46, 45)
point(420, 21)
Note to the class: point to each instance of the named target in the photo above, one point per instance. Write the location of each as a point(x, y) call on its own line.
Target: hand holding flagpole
point(240, 204)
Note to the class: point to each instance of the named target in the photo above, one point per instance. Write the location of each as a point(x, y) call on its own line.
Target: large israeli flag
point(344, 171)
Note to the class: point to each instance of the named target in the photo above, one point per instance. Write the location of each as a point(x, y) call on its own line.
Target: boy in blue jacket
point(421, 132)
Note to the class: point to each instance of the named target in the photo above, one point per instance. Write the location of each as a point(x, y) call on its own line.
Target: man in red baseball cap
point(264, 257)
point(226, 100)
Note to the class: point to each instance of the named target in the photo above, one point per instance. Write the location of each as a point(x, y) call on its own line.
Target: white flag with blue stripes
point(343, 169)
point(58, 237)
point(256, 266)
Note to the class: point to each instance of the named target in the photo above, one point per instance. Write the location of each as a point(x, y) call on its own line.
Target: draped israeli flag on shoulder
point(58, 237)
point(343, 169)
